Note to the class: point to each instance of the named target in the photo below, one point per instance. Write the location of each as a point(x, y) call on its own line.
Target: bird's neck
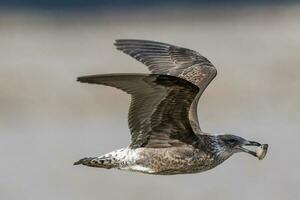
point(212, 145)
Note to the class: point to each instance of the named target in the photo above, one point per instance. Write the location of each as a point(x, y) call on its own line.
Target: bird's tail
point(115, 159)
point(101, 162)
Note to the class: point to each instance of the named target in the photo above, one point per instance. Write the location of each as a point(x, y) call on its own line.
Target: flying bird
point(166, 138)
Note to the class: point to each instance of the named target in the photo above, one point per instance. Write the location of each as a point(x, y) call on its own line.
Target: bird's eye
point(232, 141)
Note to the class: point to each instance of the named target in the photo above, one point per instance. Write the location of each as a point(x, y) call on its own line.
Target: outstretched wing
point(172, 60)
point(158, 114)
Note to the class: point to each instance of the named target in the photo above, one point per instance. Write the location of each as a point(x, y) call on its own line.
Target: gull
point(166, 138)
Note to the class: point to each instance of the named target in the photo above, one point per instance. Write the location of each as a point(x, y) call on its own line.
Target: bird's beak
point(249, 143)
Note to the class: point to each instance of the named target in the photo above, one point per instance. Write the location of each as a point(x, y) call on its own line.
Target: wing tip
point(81, 79)
point(122, 41)
point(86, 79)
point(119, 42)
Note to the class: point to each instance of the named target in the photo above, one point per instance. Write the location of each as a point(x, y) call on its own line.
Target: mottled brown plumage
point(165, 134)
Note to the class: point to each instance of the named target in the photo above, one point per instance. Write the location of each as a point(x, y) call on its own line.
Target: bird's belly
point(170, 161)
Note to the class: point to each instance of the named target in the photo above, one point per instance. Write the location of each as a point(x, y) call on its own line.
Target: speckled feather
point(160, 161)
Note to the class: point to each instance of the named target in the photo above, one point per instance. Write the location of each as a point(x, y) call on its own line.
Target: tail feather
point(101, 162)
point(84, 161)
point(116, 159)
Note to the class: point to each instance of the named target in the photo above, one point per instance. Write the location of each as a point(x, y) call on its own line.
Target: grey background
point(48, 120)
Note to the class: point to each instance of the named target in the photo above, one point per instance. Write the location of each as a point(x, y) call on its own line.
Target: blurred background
point(48, 120)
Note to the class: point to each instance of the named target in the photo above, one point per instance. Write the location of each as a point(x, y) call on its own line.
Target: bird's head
point(231, 144)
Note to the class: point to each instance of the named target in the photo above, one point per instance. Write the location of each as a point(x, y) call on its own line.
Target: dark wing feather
point(158, 114)
point(162, 58)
